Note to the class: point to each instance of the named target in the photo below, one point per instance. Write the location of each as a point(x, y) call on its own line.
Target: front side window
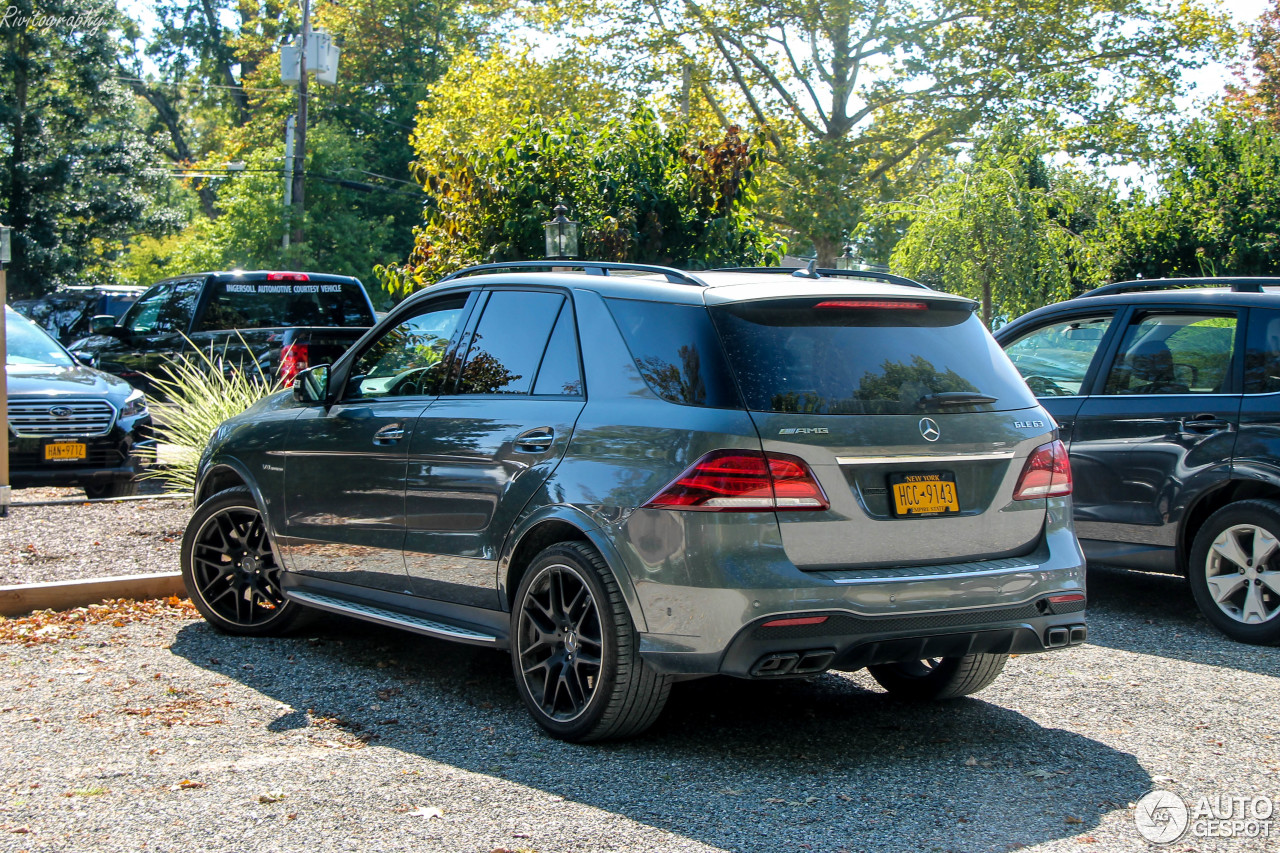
point(167, 307)
point(408, 359)
point(1171, 353)
point(1054, 359)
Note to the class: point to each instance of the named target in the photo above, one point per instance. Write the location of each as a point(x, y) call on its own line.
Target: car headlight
point(134, 405)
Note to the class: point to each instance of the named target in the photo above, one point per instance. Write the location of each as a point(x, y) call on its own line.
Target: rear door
point(911, 417)
point(482, 450)
point(345, 465)
point(1161, 425)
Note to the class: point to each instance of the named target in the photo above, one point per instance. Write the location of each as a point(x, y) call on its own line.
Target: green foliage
point(641, 193)
point(76, 179)
point(202, 390)
point(858, 99)
point(1216, 210)
point(1005, 228)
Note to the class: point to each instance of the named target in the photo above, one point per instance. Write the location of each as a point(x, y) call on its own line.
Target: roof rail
point(674, 276)
point(1252, 284)
point(804, 272)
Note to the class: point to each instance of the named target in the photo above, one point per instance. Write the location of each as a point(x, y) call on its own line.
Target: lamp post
point(849, 259)
point(562, 235)
point(6, 235)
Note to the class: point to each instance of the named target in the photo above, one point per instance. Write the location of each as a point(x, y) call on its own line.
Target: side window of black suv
point(1174, 353)
point(1262, 353)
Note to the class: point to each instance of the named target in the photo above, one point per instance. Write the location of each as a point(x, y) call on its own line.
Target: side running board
point(382, 616)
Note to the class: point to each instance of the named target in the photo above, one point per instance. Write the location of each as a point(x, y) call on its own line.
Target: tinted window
point(676, 349)
point(268, 304)
point(164, 308)
point(408, 360)
point(1262, 356)
point(1174, 354)
point(1053, 359)
point(838, 356)
point(561, 372)
point(509, 342)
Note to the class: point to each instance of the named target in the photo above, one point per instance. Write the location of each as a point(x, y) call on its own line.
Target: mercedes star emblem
point(929, 429)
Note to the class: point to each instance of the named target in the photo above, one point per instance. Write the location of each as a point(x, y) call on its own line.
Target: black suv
point(1167, 394)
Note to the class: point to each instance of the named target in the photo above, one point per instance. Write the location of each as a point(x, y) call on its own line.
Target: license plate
point(64, 450)
point(924, 494)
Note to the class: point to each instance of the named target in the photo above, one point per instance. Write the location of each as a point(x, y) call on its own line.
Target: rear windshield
point(268, 304)
point(857, 356)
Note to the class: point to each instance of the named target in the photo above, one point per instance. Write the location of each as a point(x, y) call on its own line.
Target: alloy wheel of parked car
point(1235, 571)
point(230, 568)
point(939, 678)
point(575, 651)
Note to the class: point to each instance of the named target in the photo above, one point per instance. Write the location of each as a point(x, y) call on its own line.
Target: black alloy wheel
point(230, 568)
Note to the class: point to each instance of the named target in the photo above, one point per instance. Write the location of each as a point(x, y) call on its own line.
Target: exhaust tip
point(1057, 637)
point(1078, 634)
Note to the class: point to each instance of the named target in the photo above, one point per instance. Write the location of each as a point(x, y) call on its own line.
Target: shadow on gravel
point(1153, 614)
point(829, 763)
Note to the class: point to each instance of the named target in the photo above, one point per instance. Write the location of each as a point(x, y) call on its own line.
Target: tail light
point(288, 276)
point(875, 304)
point(294, 359)
point(1047, 474)
point(743, 481)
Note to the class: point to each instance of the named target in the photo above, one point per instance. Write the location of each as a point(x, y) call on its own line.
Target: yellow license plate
point(924, 494)
point(64, 450)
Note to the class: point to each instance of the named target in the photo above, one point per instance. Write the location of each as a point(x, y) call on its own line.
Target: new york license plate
point(924, 494)
point(58, 451)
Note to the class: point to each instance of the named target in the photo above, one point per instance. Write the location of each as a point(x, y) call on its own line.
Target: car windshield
point(27, 343)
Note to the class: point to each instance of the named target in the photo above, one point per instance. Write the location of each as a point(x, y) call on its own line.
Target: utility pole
point(300, 135)
point(288, 175)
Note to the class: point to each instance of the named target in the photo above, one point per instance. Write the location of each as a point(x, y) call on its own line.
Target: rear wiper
point(954, 398)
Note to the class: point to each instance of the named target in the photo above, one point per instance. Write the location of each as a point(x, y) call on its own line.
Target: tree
point(75, 176)
point(1216, 210)
point(641, 192)
point(1005, 228)
point(856, 97)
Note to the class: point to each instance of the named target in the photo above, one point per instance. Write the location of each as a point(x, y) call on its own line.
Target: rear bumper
point(116, 456)
point(847, 642)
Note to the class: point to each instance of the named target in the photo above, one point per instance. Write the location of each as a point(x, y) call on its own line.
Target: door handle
point(389, 434)
point(1205, 423)
point(535, 440)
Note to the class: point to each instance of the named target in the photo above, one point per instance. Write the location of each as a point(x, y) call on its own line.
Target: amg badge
point(804, 431)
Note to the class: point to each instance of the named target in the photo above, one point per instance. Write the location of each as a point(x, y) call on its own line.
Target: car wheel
point(111, 489)
point(938, 678)
point(575, 651)
point(1234, 571)
point(230, 568)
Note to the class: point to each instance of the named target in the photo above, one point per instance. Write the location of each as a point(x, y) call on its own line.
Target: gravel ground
point(89, 540)
point(147, 730)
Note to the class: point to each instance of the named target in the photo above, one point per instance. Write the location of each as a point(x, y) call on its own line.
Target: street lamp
point(562, 235)
point(849, 259)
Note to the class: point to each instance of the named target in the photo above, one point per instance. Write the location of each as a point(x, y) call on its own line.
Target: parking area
point(147, 730)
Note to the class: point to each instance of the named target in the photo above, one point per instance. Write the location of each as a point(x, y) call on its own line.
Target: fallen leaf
point(428, 812)
point(187, 784)
point(271, 797)
point(1072, 819)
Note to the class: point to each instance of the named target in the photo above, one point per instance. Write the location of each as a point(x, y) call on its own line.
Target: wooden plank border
point(21, 599)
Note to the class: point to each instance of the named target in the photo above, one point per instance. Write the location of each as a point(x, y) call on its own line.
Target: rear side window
point(508, 344)
point(272, 304)
point(1174, 354)
point(1262, 356)
point(676, 349)
point(857, 356)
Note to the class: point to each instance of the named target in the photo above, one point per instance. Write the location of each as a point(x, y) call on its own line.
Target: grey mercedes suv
point(629, 476)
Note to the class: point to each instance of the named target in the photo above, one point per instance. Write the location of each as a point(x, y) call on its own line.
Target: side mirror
point(103, 324)
point(311, 386)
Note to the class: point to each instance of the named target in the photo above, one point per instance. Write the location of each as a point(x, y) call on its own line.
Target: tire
point(111, 489)
point(577, 665)
point(231, 571)
point(1234, 571)
point(939, 678)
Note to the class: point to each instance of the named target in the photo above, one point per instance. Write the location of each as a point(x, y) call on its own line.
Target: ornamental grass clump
point(201, 390)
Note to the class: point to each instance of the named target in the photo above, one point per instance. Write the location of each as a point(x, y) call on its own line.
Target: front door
point(345, 467)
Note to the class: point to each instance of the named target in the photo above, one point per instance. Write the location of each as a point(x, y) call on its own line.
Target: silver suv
point(631, 476)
